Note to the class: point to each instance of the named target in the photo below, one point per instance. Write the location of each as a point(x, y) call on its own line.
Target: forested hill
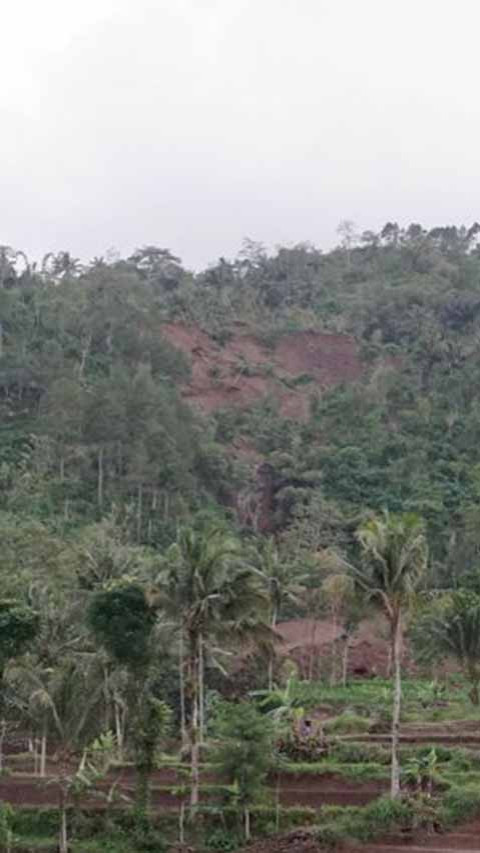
point(290, 392)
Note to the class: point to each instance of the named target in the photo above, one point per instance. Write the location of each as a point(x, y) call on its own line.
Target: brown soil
point(244, 371)
point(308, 642)
point(298, 841)
point(294, 791)
point(302, 841)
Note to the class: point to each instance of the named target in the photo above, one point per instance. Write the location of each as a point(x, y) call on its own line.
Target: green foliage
point(460, 804)
point(122, 621)
point(19, 626)
point(244, 754)
point(347, 723)
point(450, 626)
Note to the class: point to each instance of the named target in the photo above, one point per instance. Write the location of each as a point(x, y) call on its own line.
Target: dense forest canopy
point(94, 425)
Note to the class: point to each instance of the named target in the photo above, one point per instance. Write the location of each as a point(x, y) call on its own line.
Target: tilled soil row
point(301, 791)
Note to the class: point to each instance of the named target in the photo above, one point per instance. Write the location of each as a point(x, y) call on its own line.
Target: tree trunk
point(63, 835)
point(346, 650)
point(272, 653)
point(333, 670)
point(100, 478)
point(83, 359)
point(247, 825)
point(313, 639)
point(201, 691)
point(119, 728)
point(194, 745)
point(34, 750)
point(139, 511)
point(43, 752)
point(3, 732)
point(397, 699)
point(181, 824)
point(181, 672)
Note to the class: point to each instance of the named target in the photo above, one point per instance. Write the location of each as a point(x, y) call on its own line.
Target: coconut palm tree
point(395, 555)
point(281, 588)
point(216, 596)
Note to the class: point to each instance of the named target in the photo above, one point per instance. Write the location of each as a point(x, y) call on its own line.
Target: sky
point(192, 124)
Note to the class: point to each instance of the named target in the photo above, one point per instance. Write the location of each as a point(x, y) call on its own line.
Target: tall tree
point(395, 554)
point(217, 596)
point(122, 620)
point(280, 584)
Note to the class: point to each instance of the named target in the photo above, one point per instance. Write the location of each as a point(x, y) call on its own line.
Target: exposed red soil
point(308, 642)
point(306, 790)
point(244, 371)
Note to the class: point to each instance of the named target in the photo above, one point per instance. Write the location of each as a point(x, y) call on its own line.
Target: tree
point(450, 627)
point(122, 620)
point(338, 592)
point(18, 628)
point(244, 754)
point(395, 554)
point(215, 594)
point(276, 576)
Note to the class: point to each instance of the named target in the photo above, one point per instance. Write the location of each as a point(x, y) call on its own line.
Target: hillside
point(292, 391)
point(245, 371)
point(205, 480)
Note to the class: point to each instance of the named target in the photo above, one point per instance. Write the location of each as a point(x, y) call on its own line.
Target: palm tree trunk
point(247, 824)
point(333, 670)
point(3, 732)
point(201, 690)
point(397, 699)
point(346, 649)
point(313, 639)
point(181, 672)
point(43, 752)
point(272, 653)
point(118, 727)
point(34, 750)
point(181, 824)
point(139, 511)
point(100, 478)
point(194, 744)
point(63, 837)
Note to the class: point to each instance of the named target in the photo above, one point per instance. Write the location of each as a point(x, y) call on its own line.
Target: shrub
point(347, 723)
point(306, 749)
point(458, 805)
point(359, 753)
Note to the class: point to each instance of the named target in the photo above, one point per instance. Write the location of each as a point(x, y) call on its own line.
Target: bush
point(222, 839)
point(359, 753)
point(347, 723)
point(458, 805)
point(303, 749)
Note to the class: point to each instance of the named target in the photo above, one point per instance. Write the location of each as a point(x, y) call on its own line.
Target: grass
point(346, 724)
point(362, 772)
point(424, 701)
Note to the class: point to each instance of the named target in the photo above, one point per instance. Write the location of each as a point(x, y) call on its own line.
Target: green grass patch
point(366, 771)
point(347, 723)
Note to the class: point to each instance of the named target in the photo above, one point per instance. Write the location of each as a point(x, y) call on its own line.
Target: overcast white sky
point(194, 123)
